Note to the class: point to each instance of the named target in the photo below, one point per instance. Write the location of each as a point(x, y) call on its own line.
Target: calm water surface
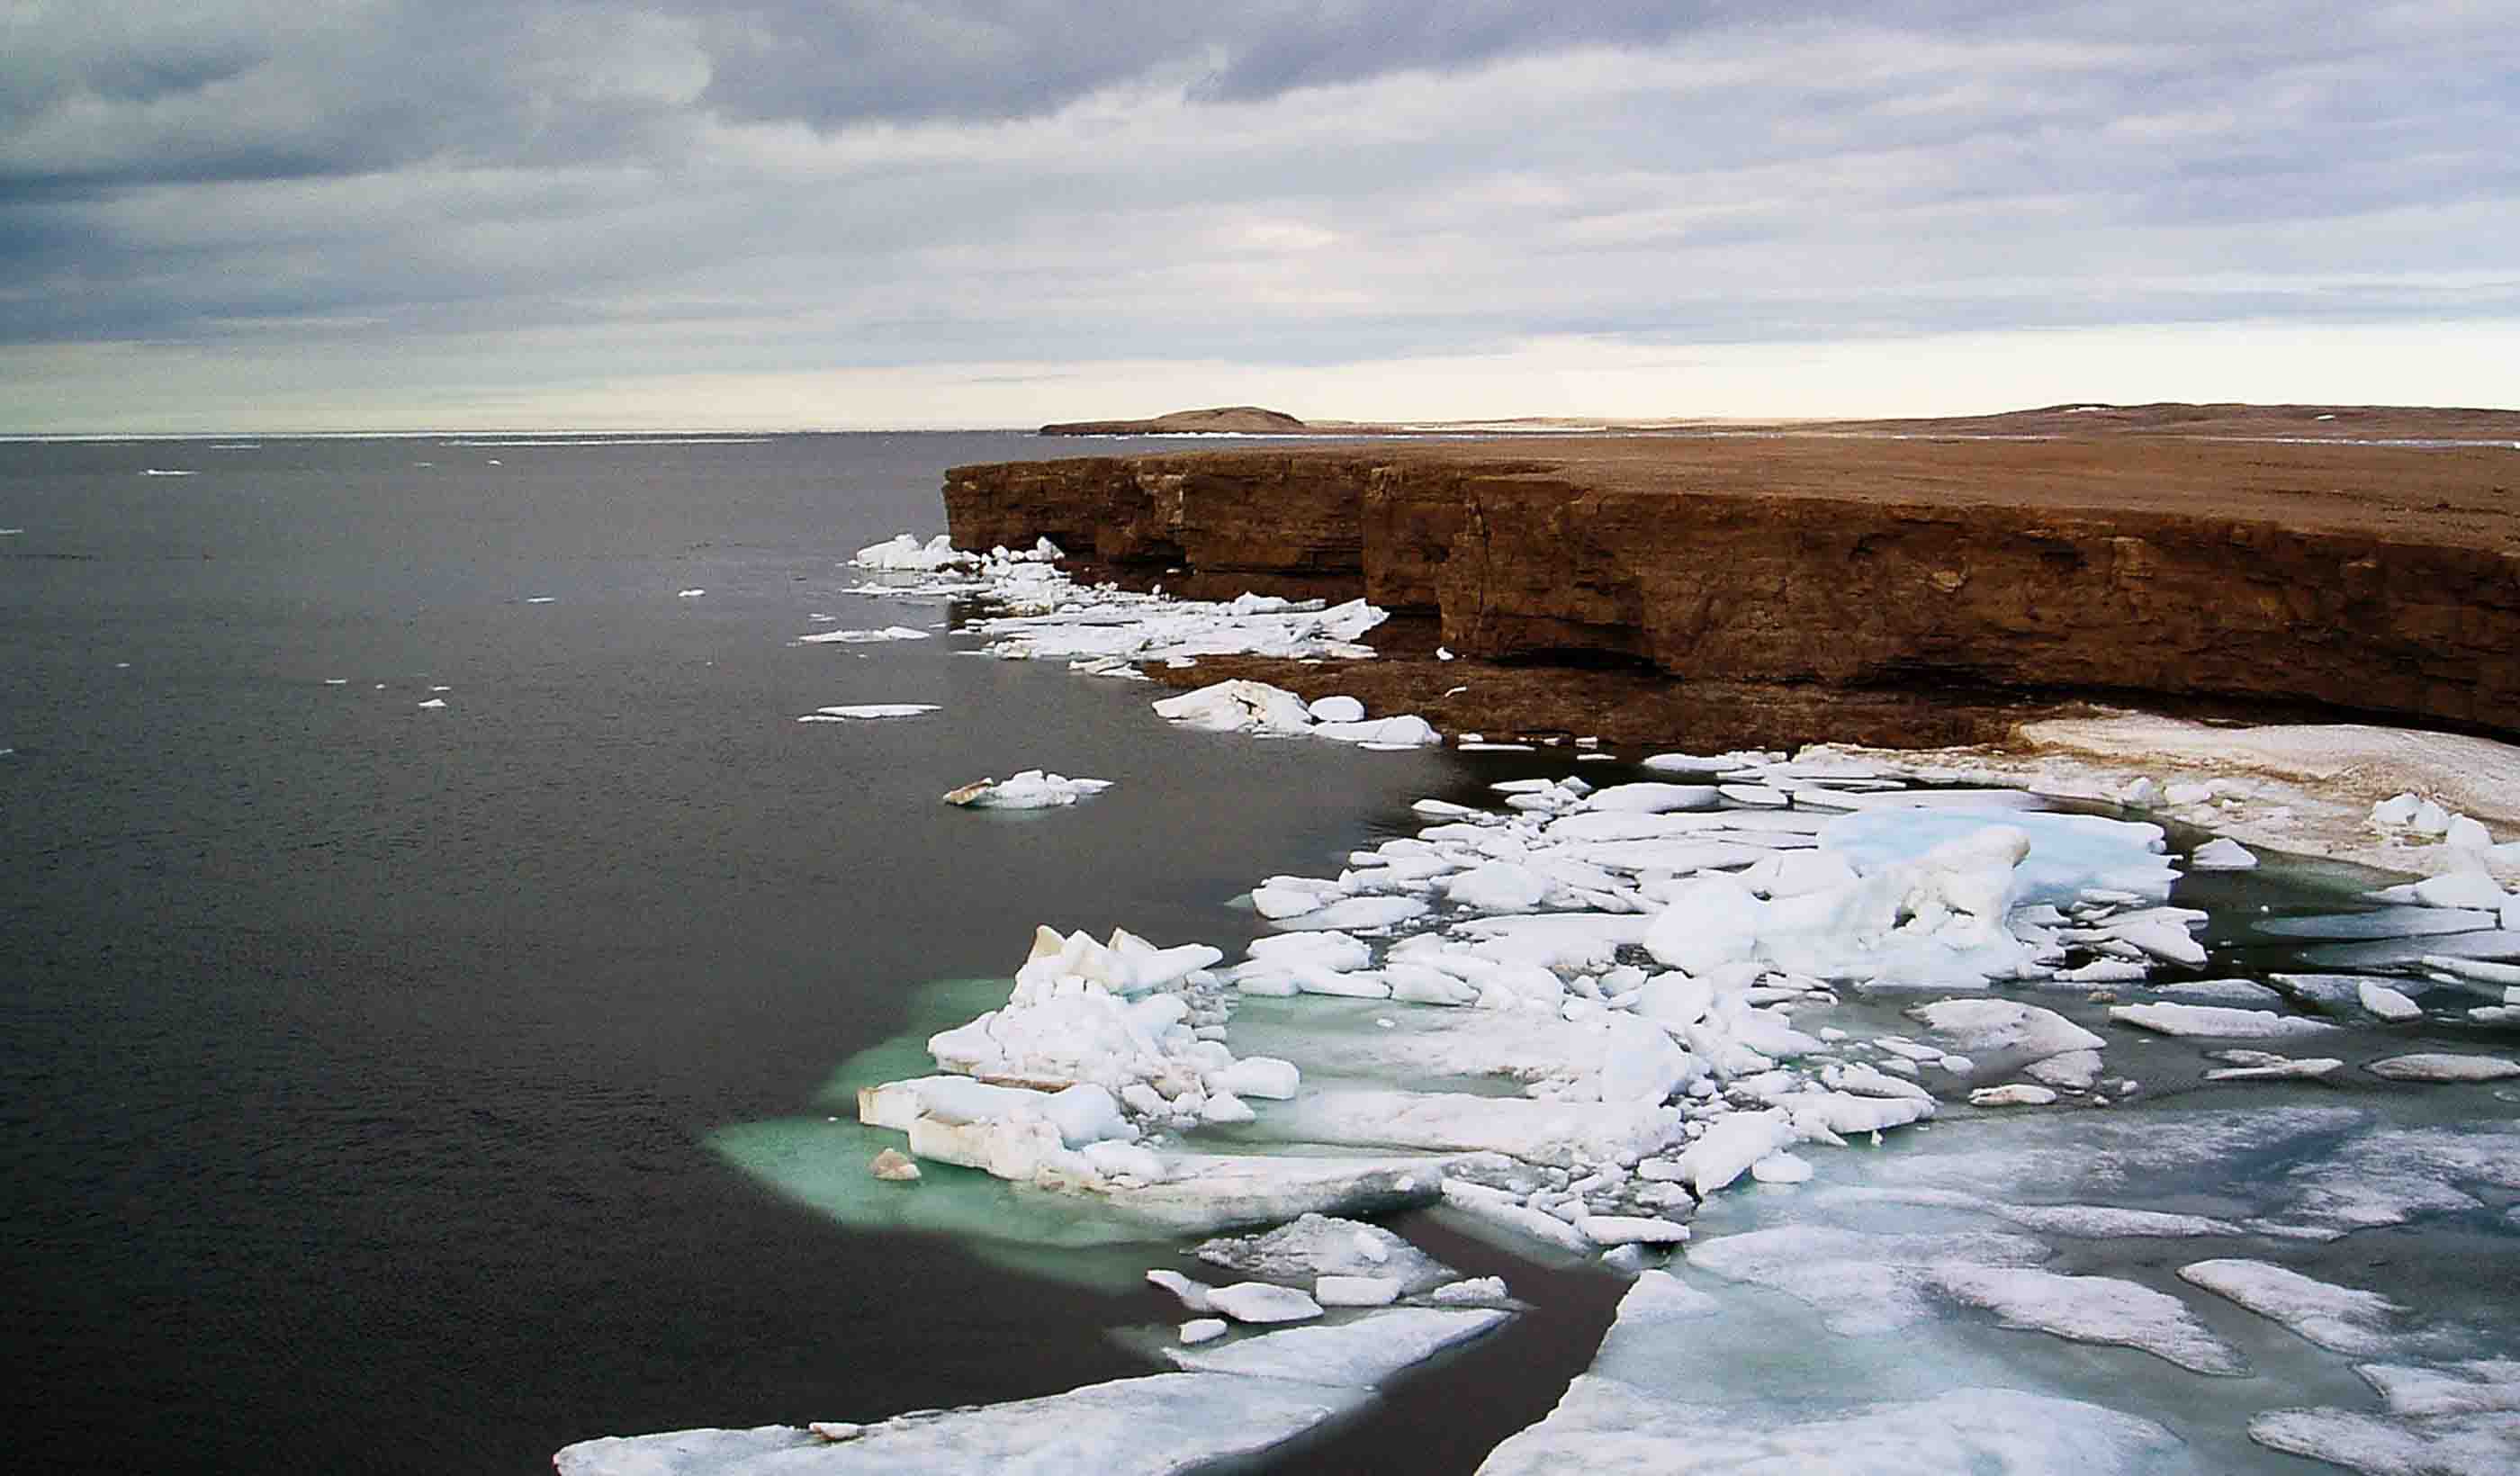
point(360, 1055)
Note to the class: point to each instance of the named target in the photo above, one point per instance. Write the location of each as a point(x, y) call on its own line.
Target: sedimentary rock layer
point(2374, 579)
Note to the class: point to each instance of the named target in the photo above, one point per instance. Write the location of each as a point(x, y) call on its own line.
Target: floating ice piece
point(689, 594)
point(2214, 1021)
point(1356, 1291)
point(2072, 1071)
point(1199, 1330)
point(1313, 1246)
point(861, 637)
point(2261, 1065)
point(1406, 731)
point(1261, 1302)
point(2244, 992)
point(1649, 798)
point(2090, 1310)
point(2477, 970)
point(1192, 1295)
point(2004, 1028)
point(1609, 1424)
point(870, 711)
point(1356, 915)
point(1160, 1422)
point(1031, 790)
point(1631, 1229)
point(1357, 1354)
point(540, 598)
point(2444, 1067)
point(2338, 1318)
point(2455, 889)
point(1861, 1282)
point(2015, 1095)
point(1559, 1133)
point(1499, 1209)
point(434, 702)
point(2485, 942)
point(2387, 1003)
point(1262, 1076)
point(902, 551)
point(2473, 1386)
point(2068, 853)
point(2468, 1444)
point(2222, 854)
point(1782, 1168)
point(1709, 764)
point(2402, 922)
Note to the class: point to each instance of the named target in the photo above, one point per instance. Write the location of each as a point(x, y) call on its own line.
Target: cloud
point(783, 187)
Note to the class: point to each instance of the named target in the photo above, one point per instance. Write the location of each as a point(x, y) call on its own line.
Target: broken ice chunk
point(2338, 1318)
point(1031, 790)
point(2222, 854)
point(2444, 1067)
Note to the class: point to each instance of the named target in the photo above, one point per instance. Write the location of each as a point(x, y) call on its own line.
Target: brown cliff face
point(2371, 580)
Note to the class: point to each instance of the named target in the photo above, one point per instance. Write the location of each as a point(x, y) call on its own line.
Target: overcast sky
point(456, 213)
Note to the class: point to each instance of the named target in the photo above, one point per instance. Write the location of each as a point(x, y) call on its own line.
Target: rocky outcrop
point(1961, 582)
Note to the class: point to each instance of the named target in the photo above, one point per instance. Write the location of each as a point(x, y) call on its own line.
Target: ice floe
point(1240, 707)
point(2444, 1067)
point(2336, 1317)
point(1030, 789)
point(846, 636)
point(1160, 1422)
point(867, 712)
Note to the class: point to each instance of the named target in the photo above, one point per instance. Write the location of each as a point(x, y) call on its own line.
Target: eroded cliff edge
point(1849, 573)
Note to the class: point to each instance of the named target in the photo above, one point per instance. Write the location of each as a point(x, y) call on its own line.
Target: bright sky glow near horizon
point(382, 214)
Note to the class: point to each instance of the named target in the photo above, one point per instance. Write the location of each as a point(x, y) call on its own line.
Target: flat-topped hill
point(1224, 420)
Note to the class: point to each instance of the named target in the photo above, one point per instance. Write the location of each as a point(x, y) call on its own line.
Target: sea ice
point(2004, 1029)
point(2222, 854)
point(1314, 1246)
point(1160, 1422)
point(2214, 1021)
point(1560, 1133)
point(2444, 1067)
point(1356, 1291)
point(1609, 1425)
point(2336, 1317)
point(2474, 1386)
point(1357, 1354)
point(861, 637)
point(1031, 790)
point(870, 711)
point(2469, 1445)
point(2090, 1310)
point(2387, 1003)
point(1262, 1301)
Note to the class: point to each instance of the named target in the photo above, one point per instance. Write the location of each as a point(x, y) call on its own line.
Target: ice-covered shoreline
point(1653, 964)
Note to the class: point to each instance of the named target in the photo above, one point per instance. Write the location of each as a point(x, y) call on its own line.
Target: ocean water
point(408, 1089)
point(362, 1057)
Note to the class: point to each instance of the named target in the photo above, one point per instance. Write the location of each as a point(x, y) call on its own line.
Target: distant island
point(2077, 420)
point(1224, 420)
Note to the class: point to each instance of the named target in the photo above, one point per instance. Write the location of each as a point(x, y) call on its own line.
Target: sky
point(373, 214)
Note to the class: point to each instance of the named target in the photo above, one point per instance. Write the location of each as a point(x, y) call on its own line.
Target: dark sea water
point(360, 1057)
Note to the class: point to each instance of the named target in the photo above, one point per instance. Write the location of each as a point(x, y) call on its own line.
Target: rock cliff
point(2372, 581)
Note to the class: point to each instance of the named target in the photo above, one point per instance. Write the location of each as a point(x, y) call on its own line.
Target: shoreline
point(1931, 590)
point(1748, 1115)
